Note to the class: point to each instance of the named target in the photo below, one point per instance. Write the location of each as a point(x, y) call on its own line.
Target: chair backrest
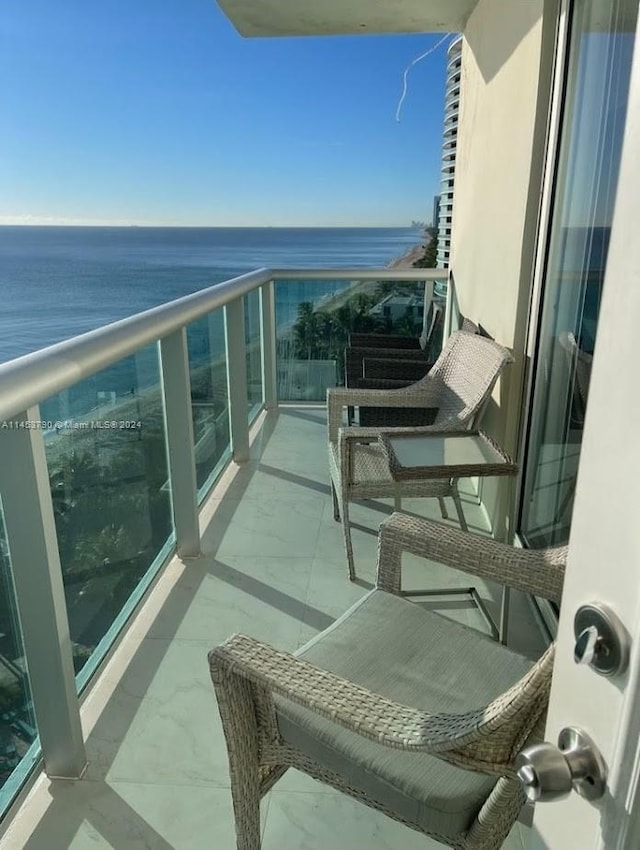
point(465, 373)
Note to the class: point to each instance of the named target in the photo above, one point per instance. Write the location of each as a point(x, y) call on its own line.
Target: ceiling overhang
point(345, 17)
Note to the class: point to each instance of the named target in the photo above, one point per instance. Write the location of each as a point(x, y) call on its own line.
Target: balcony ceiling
point(341, 17)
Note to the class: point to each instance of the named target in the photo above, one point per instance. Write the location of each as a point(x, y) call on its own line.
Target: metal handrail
point(27, 380)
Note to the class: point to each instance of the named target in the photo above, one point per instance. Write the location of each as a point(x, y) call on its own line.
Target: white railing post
point(37, 576)
point(174, 362)
point(428, 296)
point(236, 351)
point(269, 345)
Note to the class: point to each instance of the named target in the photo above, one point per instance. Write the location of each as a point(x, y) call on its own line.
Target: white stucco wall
point(500, 63)
point(499, 169)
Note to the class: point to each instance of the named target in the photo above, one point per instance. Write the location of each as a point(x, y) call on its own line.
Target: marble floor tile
point(129, 816)
point(365, 519)
point(288, 442)
point(260, 596)
point(294, 780)
point(161, 724)
point(273, 567)
point(271, 527)
point(307, 821)
point(330, 563)
point(330, 590)
point(261, 480)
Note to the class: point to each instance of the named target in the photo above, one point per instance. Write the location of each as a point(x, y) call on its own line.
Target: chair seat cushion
point(372, 477)
point(396, 648)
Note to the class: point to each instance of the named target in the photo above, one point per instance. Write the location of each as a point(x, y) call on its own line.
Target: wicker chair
point(412, 714)
point(456, 390)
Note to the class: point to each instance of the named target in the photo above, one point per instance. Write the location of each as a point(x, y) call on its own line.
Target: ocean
point(57, 282)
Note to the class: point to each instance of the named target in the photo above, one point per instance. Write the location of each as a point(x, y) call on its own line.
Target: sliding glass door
point(600, 53)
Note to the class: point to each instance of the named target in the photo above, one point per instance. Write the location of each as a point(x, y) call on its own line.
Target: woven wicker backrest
point(465, 373)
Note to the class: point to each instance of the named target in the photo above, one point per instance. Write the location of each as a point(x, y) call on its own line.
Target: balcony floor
point(273, 566)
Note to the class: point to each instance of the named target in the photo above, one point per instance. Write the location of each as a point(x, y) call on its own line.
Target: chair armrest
point(358, 434)
point(351, 435)
point(456, 737)
point(536, 571)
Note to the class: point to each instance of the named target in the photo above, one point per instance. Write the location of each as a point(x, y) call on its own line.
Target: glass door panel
point(600, 53)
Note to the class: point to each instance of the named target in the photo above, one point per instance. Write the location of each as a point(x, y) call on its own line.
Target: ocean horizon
point(61, 281)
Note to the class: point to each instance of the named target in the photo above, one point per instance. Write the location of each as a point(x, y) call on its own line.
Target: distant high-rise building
point(449, 142)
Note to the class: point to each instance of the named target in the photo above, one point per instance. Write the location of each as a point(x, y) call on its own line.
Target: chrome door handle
point(550, 773)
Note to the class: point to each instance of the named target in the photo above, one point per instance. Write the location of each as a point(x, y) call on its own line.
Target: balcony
point(259, 550)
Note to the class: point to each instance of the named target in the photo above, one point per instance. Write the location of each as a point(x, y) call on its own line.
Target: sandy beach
point(332, 302)
point(407, 260)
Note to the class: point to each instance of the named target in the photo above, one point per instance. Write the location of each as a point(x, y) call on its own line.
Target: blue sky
point(160, 113)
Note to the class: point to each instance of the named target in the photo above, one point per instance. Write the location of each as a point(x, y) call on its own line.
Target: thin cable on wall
point(410, 66)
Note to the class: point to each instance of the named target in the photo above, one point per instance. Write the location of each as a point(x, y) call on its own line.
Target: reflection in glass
point(314, 319)
point(209, 397)
point(600, 61)
point(107, 463)
point(17, 720)
point(254, 352)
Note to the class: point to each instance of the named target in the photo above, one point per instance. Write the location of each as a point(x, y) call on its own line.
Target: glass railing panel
point(254, 352)
point(315, 318)
point(105, 442)
point(17, 720)
point(209, 398)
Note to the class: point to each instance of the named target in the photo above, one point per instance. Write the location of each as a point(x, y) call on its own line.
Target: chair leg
point(443, 508)
point(346, 530)
point(336, 504)
point(247, 820)
point(456, 498)
point(237, 712)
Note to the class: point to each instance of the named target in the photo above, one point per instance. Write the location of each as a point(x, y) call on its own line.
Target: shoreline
point(333, 302)
point(409, 257)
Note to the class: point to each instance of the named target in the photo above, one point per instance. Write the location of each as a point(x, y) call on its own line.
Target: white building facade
point(453, 87)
